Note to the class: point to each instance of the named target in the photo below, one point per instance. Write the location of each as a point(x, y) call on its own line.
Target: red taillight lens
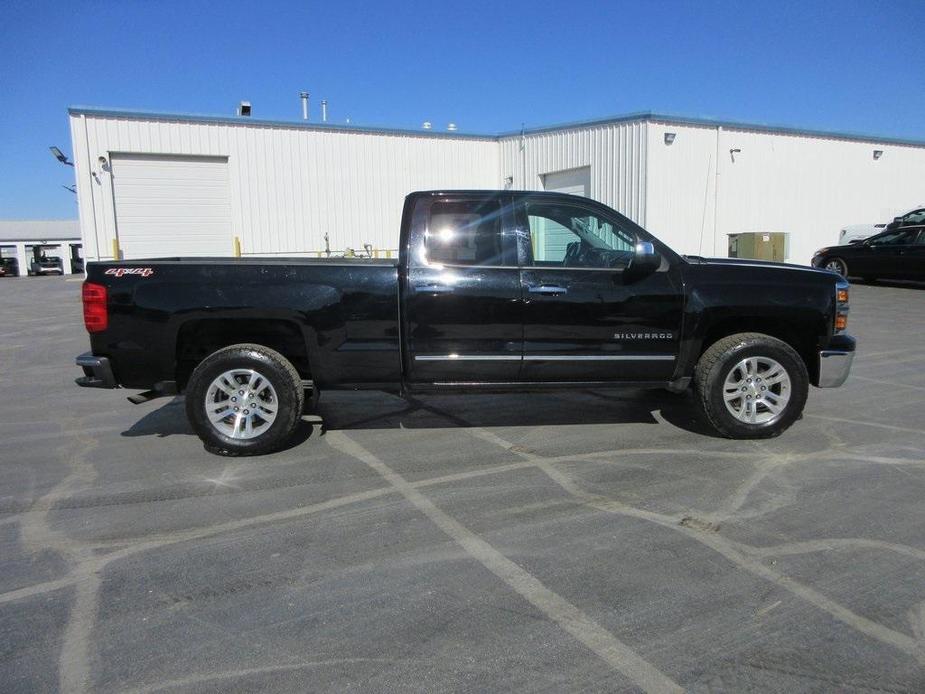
point(96, 315)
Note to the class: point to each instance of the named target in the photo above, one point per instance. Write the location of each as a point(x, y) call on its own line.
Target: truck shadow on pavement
point(377, 410)
point(895, 284)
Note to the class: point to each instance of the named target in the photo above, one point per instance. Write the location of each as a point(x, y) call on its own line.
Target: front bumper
point(97, 372)
point(835, 362)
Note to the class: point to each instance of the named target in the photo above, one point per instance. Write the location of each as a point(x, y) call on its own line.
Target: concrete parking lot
point(592, 541)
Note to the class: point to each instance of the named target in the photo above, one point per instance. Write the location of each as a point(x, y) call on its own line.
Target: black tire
point(720, 361)
point(271, 365)
point(836, 264)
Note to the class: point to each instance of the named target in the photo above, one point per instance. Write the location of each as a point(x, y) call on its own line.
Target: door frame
point(420, 218)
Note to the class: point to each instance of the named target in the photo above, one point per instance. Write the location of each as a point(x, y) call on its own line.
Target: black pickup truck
point(494, 290)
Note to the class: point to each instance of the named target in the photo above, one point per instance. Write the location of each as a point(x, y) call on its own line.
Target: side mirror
point(645, 257)
point(895, 224)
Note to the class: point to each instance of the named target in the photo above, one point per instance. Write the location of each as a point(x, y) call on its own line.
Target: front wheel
point(836, 265)
point(751, 385)
point(244, 400)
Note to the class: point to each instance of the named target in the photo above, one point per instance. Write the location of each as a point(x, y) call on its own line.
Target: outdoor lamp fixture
point(733, 153)
point(877, 154)
point(60, 156)
point(669, 138)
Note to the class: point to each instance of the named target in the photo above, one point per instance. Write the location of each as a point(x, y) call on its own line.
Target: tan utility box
point(759, 245)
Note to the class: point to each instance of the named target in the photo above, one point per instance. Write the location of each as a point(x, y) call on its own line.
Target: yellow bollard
point(388, 254)
point(236, 247)
point(116, 254)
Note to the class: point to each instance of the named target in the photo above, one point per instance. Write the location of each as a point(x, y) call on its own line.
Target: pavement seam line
point(740, 555)
point(146, 544)
point(610, 649)
point(861, 422)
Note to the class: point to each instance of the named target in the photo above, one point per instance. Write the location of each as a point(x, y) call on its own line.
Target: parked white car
point(859, 232)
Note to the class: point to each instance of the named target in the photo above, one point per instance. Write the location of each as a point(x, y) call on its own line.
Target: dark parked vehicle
point(9, 267)
point(492, 290)
point(897, 253)
point(910, 219)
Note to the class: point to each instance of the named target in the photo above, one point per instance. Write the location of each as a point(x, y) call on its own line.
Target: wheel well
point(801, 338)
point(198, 339)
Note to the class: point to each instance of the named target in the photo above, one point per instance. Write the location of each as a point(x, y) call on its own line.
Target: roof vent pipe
point(304, 97)
point(324, 110)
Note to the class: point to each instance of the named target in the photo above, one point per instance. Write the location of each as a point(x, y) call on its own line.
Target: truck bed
point(347, 320)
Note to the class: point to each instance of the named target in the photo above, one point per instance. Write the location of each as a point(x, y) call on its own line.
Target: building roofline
point(669, 119)
point(265, 123)
point(641, 116)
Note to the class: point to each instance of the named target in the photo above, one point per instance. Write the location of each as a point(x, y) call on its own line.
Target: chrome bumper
point(834, 365)
point(97, 372)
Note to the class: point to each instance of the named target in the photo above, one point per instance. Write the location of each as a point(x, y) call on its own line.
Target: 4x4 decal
point(122, 271)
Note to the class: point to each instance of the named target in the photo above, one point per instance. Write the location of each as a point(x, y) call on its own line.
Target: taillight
point(96, 315)
point(841, 306)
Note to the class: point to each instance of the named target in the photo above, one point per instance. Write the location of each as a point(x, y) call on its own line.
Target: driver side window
point(563, 235)
point(894, 238)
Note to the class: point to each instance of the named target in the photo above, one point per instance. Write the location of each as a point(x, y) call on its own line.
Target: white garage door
point(171, 205)
point(573, 181)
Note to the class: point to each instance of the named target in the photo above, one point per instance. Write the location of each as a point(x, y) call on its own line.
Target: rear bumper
point(97, 372)
point(835, 362)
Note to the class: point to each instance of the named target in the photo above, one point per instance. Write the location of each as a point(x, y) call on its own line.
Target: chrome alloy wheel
point(756, 390)
point(241, 404)
point(836, 265)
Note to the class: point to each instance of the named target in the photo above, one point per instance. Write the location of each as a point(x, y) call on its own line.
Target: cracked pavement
point(582, 541)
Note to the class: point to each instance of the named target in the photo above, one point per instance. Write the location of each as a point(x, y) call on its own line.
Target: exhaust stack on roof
point(324, 110)
point(304, 97)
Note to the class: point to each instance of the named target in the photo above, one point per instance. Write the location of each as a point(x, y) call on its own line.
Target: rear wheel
point(244, 400)
point(751, 385)
point(836, 265)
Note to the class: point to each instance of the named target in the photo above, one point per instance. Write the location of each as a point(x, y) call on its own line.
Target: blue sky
point(486, 66)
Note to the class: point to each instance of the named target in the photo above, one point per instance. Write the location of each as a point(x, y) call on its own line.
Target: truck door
point(463, 310)
point(586, 318)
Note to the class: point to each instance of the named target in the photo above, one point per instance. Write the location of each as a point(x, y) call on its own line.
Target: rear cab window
point(468, 233)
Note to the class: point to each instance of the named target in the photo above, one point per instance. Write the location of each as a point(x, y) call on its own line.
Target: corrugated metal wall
point(616, 153)
point(292, 183)
point(807, 186)
point(289, 184)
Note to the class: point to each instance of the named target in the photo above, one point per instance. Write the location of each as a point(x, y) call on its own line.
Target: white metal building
point(166, 184)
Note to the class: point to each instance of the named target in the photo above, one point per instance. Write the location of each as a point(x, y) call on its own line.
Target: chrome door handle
point(433, 288)
point(547, 289)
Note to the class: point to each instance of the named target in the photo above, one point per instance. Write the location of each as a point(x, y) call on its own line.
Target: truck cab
point(536, 289)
